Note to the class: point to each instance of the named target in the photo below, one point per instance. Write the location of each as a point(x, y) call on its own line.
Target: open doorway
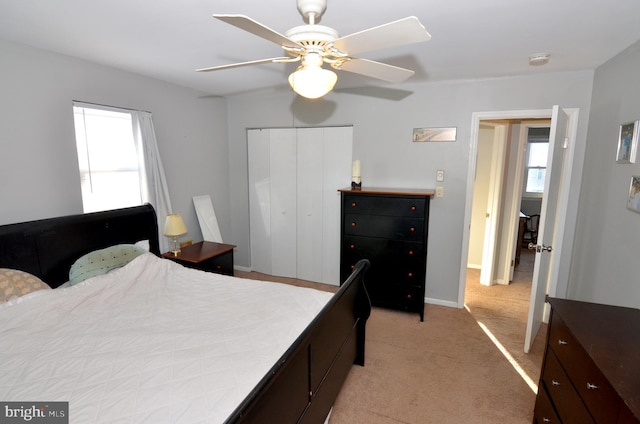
point(500, 267)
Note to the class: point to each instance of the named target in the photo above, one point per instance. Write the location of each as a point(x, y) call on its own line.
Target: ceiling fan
point(313, 45)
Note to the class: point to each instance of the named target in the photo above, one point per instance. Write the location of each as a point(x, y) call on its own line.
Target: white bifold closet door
point(294, 175)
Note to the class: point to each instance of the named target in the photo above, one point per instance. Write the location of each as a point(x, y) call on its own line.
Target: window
point(536, 166)
point(111, 164)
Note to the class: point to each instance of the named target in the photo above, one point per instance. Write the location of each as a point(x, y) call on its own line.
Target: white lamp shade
point(312, 82)
point(174, 226)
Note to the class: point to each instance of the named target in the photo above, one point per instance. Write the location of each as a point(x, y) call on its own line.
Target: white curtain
point(156, 190)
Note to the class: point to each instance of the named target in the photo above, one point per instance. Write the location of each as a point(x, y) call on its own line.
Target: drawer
point(406, 298)
point(399, 253)
point(222, 264)
point(384, 274)
point(543, 412)
point(385, 205)
point(593, 387)
point(563, 395)
point(396, 228)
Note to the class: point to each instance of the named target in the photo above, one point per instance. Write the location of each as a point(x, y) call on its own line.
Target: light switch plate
point(439, 191)
point(440, 175)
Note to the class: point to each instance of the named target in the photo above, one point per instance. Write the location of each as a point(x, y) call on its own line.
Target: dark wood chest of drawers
point(389, 227)
point(591, 368)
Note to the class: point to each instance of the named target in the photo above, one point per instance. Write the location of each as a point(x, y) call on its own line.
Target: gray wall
point(382, 141)
point(203, 144)
point(605, 265)
point(38, 164)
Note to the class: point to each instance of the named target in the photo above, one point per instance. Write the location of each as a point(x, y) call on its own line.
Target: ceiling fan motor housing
point(313, 8)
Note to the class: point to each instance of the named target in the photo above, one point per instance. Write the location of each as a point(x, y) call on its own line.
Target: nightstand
point(206, 256)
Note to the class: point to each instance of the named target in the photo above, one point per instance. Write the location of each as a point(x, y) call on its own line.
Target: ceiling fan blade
point(252, 62)
point(405, 31)
point(256, 28)
point(377, 70)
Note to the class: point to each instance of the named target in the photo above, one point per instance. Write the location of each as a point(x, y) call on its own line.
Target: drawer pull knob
point(413, 208)
point(591, 386)
point(354, 204)
point(410, 274)
point(562, 342)
point(353, 224)
point(409, 296)
point(410, 252)
point(412, 229)
point(555, 383)
point(352, 246)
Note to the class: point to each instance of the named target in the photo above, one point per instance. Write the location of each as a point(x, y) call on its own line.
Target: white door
point(294, 177)
point(544, 250)
point(283, 174)
point(310, 203)
point(258, 142)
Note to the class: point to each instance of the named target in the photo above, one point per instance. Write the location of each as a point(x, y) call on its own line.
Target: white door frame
point(493, 205)
point(565, 246)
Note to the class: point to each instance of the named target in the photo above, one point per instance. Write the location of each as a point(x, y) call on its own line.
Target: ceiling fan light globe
point(312, 83)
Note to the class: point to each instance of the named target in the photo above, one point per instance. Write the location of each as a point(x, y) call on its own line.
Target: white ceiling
point(471, 39)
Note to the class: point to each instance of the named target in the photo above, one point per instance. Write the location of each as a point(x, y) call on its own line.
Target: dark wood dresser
point(591, 368)
point(389, 227)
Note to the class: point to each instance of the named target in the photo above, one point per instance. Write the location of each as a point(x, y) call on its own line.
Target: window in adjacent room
point(536, 165)
point(111, 164)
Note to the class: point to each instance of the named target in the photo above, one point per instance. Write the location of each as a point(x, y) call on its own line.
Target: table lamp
point(174, 228)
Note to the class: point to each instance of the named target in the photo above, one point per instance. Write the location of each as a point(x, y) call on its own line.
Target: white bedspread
point(152, 342)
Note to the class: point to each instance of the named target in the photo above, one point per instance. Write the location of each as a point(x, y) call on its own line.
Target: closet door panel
point(282, 158)
point(310, 203)
point(337, 158)
point(259, 199)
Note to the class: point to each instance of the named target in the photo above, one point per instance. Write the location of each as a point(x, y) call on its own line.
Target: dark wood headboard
point(48, 247)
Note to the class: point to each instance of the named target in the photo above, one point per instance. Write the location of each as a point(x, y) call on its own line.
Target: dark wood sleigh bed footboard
point(304, 383)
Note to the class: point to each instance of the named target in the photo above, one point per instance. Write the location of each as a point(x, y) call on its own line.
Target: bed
point(295, 381)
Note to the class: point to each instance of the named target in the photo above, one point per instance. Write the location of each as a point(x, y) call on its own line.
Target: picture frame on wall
point(434, 134)
point(627, 142)
point(633, 202)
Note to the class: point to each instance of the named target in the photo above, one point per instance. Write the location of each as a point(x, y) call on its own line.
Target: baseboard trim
point(440, 302)
point(242, 268)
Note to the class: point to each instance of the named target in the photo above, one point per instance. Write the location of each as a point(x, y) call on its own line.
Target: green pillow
point(102, 261)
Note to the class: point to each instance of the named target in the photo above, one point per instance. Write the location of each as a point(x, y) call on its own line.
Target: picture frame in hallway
point(633, 202)
point(628, 142)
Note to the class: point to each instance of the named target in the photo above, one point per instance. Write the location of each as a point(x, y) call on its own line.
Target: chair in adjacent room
point(531, 230)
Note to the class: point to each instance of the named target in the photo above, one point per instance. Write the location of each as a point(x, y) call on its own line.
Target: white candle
point(355, 169)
